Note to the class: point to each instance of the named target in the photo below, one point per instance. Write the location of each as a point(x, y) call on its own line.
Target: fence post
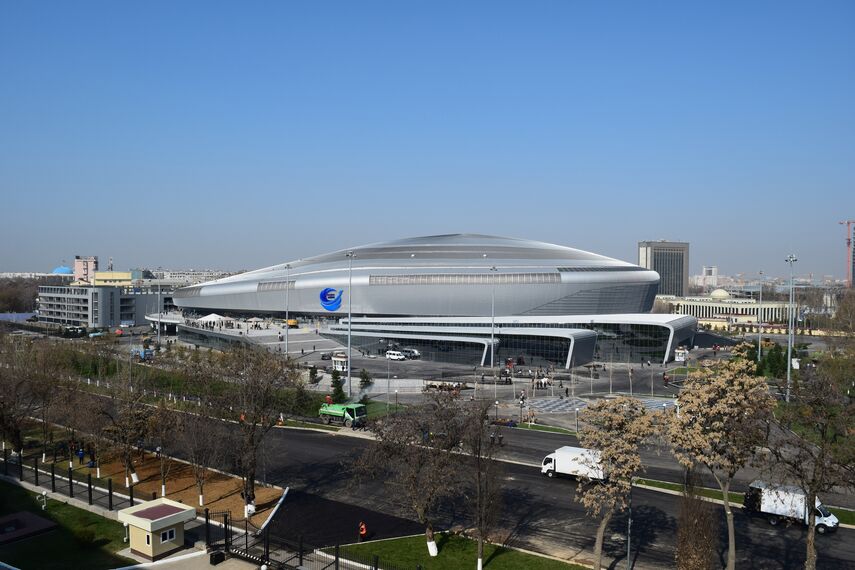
point(36, 470)
point(376, 562)
point(53, 477)
point(227, 533)
point(21, 466)
point(89, 486)
point(70, 483)
point(131, 494)
point(300, 549)
point(207, 528)
point(336, 556)
point(267, 545)
point(6, 461)
point(109, 494)
point(246, 534)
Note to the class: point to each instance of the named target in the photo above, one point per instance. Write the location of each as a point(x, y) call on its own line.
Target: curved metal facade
point(446, 275)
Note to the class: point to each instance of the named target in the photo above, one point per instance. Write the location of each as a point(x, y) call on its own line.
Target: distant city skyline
point(239, 136)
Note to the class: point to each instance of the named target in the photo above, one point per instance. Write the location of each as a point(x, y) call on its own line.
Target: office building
point(670, 259)
point(85, 267)
point(99, 307)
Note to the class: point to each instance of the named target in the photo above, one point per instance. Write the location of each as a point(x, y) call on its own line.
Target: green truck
point(351, 415)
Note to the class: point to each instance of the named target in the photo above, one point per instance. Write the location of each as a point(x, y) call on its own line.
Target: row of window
point(466, 279)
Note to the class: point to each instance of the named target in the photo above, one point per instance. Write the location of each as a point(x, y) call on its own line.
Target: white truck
point(786, 502)
point(574, 461)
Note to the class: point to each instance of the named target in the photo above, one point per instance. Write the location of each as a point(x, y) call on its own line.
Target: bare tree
point(21, 365)
point(616, 428)
point(203, 440)
point(126, 420)
point(164, 432)
point(721, 419)
point(255, 381)
point(817, 451)
point(697, 529)
point(480, 466)
point(413, 454)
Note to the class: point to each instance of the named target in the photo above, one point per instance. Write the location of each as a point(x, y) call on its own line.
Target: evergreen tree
point(338, 394)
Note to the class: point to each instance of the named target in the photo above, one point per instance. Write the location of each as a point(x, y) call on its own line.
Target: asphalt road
point(540, 513)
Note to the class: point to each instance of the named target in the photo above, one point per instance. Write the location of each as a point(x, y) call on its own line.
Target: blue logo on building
point(330, 299)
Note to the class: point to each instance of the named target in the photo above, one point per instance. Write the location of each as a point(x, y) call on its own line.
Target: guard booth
point(339, 362)
point(156, 528)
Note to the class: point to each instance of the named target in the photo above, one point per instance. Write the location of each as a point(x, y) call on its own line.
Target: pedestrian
point(567, 392)
point(363, 531)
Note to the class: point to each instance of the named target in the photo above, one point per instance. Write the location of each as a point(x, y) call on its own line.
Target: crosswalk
point(567, 405)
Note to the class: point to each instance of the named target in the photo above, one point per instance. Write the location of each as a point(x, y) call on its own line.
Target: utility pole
point(760, 322)
point(790, 320)
point(287, 290)
point(349, 255)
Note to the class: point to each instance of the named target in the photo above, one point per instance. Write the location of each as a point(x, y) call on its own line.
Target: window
point(167, 535)
point(147, 539)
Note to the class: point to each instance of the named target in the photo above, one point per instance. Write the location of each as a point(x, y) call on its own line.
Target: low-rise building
point(100, 307)
point(721, 305)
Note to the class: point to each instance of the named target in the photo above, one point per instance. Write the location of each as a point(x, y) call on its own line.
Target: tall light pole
point(349, 255)
point(287, 290)
point(790, 260)
point(760, 322)
point(493, 322)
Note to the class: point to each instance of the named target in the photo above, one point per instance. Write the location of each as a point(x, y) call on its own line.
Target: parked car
point(395, 355)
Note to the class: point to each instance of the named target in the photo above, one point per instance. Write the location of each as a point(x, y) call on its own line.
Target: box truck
point(786, 503)
point(573, 461)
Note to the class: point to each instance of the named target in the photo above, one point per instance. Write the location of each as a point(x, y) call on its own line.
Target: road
point(540, 513)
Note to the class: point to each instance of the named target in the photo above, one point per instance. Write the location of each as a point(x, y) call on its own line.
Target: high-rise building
point(670, 259)
point(85, 267)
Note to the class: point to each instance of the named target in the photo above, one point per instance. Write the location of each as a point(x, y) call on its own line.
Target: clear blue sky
point(241, 134)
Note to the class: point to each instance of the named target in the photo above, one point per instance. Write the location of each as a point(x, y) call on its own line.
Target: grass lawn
point(454, 552)
point(538, 427)
point(82, 539)
point(377, 408)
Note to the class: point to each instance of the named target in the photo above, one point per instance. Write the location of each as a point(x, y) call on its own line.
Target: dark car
point(326, 356)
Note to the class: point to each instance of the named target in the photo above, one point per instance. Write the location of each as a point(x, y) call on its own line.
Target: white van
point(411, 353)
point(395, 355)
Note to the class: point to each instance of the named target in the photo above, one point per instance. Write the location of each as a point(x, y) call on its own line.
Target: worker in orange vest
point(363, 531)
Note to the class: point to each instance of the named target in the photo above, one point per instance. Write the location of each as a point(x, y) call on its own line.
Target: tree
point(721, 419)
point(338, 395)
point(164, 432)
point(616, 428)
point(365, 379)
point(697, 529)
point(817, 452)
point(203, 441)
point(22, 371)
point(479, 441)
point(255, 381)
point(413, 455)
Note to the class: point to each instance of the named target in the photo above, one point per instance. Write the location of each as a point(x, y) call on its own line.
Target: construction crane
point(849, 259)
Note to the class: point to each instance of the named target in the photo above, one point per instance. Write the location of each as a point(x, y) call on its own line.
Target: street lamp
point(760, 322)
point(629, 526)
point(493, 321)
point(790, 260)
point(497, 410)
point(349, 255)
point(388, 385)
point(287, 290)
point(396, 399)
point(577, 421)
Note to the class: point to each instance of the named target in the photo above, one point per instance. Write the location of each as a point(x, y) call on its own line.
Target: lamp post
point(760, 322)
point(497, 410)
point(396, 400)
point(493, 321)
point(388, 384)
point(629, 526)
point(790, 260)
point(349, 255)
point(577, 421)
point(287, 290)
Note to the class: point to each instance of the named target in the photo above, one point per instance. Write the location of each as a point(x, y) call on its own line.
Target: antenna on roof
point(110, 264)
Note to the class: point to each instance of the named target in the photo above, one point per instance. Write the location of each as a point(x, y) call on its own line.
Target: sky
point(242, 134)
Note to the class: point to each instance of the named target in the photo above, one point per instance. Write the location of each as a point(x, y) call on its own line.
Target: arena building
point(452, 297)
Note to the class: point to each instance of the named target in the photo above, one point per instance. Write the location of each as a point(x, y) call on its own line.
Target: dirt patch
point(222, 492)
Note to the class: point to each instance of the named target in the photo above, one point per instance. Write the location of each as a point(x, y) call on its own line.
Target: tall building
point(85, 267)
point(670, 259)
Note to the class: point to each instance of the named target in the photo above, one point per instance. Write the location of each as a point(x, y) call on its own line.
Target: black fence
point(73, 481)
point(259, 546)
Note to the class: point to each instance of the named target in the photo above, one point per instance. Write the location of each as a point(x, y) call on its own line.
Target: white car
point(395, 355)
